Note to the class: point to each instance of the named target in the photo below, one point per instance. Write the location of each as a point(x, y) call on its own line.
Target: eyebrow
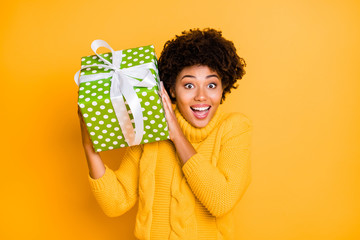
point(208, 76)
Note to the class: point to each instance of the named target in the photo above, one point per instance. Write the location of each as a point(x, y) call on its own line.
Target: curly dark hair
point(201, 47)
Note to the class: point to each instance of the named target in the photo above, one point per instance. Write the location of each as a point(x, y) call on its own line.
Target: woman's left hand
point(184, 148)
point(174, 127)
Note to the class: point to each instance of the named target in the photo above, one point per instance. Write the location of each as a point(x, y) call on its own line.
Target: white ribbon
point(123, 82)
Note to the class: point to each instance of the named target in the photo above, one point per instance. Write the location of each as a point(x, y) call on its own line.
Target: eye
point(189, 85)
point(212, 85)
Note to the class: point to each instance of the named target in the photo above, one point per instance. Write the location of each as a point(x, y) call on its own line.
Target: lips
point(200, 111)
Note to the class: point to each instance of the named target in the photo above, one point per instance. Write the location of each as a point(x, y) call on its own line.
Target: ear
point(172, 93)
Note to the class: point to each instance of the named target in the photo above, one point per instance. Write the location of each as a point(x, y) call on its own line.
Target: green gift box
point(119, 97)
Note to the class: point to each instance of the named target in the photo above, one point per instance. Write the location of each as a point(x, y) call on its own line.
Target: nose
point(200, 94)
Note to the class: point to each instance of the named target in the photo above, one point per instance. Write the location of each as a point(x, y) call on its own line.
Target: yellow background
point(301, 91)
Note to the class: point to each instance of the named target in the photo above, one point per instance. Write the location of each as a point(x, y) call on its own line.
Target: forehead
point(197, 72)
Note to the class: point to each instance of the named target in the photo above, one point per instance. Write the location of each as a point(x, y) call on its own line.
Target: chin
point(199, 124)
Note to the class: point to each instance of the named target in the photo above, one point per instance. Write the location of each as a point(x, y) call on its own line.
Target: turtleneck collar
point(194, 134)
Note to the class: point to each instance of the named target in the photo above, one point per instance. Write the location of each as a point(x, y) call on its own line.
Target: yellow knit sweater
point(193, 201)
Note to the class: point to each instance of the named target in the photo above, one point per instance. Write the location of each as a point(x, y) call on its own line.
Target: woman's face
point(198, 91)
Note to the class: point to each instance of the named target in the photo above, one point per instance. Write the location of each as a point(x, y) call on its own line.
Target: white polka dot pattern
point(95, 103)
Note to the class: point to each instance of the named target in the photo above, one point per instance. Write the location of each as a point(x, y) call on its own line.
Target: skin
point(95, 164)
point(196, 86)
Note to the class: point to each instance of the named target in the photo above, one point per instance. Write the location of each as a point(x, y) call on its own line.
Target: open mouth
point(200, 112)
point(200, 109)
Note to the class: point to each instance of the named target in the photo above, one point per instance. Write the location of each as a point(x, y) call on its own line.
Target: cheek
point(216, 96)
point(183, 99)
point(182, 95)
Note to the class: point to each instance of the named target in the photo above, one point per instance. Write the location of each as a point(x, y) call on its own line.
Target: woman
point(187, 186)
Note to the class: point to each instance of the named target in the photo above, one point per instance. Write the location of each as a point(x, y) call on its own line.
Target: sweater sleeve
point(117, 191)
point(220, 187)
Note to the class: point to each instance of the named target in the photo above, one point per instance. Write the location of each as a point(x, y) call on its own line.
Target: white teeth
point(200, 108)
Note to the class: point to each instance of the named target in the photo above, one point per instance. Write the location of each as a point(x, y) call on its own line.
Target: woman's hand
point(184, 148)
point(86, 140)
point(95, 164)
point(174, 127)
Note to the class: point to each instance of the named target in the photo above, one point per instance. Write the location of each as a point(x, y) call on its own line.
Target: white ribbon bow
point(123, 82)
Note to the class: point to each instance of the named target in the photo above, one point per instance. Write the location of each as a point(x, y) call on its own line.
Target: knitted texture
point(193, 201)
point(146, 190)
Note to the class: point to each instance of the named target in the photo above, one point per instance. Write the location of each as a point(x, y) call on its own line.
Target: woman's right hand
point(86, 140)
point(95, 164)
